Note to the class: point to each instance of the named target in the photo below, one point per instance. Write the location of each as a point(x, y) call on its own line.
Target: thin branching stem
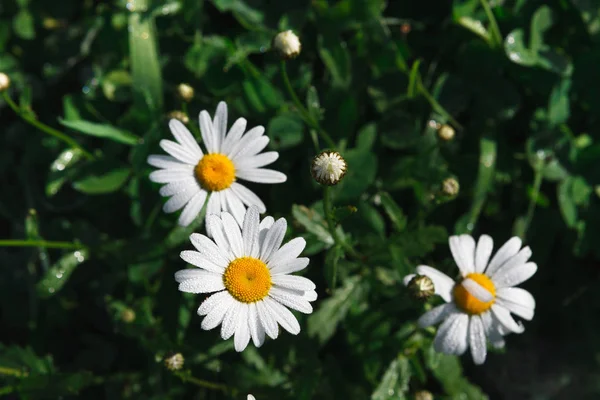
point(42, 243)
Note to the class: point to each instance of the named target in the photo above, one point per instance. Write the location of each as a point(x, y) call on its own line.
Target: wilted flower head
point(185, 91)
point(287, 44)
point(328, 167)
point(4, 82)
point(174, 362)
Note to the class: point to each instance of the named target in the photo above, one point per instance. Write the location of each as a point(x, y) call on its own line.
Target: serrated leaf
point(59, 273)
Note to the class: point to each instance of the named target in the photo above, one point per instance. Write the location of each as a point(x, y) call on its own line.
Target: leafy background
point(518, 80)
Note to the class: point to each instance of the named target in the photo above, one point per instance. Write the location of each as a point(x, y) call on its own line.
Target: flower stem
point(45, 128)
point(13, 372)
point(185, 377)
point(41, 243)
point(303, 111)
point(537, 183)
point(496, 35)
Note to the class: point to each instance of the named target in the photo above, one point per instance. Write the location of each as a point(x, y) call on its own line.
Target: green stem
point(13, 372)
point(200, 382)
point(41, 243)
point(303, 111)
point(537, 183)
point(45, 128)
point(496, 35)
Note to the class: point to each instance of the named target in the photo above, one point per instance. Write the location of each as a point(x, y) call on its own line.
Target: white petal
point(256, 161)
point(170, 175)
point(247, 196)
point(288, 252)
point(485, 246)
point(505, 252)
point(214, 203)
point(220, 125)
point(192, 273)
point(291, 300)
point(215, 227)
point(451, 337)
point(437, 315)
point(215, 316)
point(233, 234)
point(477, 291)
point(230, 320)
point(242, 332)
point(248, 138)
point(168, 162)
point(518, 259)
point(267, 319)
point(263, 228)
point(291, 266)
point(261, 175)
point(310, 295)
point(250, 232)
point(207, 284)
point(477, 339)
point(273, 239)
point(503, 317)
point(208, 135)
point(442, 283)
point(518, 301)
point(250, 397)
point(198, 260)
point(463, 251)
point(257, 332)
point(214, 301)
point(208, 249)
point(284, 317)
point(252, 148)
point(184, 137)
point(233, 205)
point(515, 275)
point(234, 135)
point(293, 282)
point(178, 201)
point(193, 208)
point(171, 188)
point(179, 152)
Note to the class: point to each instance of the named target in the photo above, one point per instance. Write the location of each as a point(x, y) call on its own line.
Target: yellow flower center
point(215, 172)
point(469, 303)
point(247, 279)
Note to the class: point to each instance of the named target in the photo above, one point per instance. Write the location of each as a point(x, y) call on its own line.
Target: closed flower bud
point(450, 187)
point(423, 395)
point(174, 362)
point(446, 132)
point(287, 44)
point(421, 287)
point(328, 167)
point(185, 92)
point(180, 115)
point(128, 315)
point(4, 82)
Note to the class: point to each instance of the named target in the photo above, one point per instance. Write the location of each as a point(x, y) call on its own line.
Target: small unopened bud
point(128, 315)
point(421, 287)
point(450, 187)
point(4, 82)
point(446, 132)
point(287, 45)
point(405, 28)
point(180, 115)
point(328, 167)
point(423, 395)
point(174, 362)
point(51, 23)
point(185, 92)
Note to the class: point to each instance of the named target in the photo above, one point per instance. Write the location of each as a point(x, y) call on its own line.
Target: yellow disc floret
point(215, 172)
point(469, 303)
point(247, 279)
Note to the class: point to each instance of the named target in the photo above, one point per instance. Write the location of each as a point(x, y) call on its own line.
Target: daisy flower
point(190, 175)
point(479, 306)
point(250, 272)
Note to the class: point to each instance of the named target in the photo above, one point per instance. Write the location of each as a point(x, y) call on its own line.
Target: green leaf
point(336, 58)
point(448, 371)
point(116, 85)
point(60, 168)
point(261, 94)
point(567, 205)
point(285, 131)
point(558, 105)
point(59, 273)
point(313, 105)
point(107, 182)
point(313, 222)
point(394, 212)
point(394, 383)
point(102, 131)
point(24, 360)
point(23, 25)
point(362, 169)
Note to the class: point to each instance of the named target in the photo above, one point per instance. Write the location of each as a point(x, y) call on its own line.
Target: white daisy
point(250, 271)
point(478, 307)
point(190, 175)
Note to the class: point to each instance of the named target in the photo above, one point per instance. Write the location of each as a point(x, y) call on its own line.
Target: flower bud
point(4, 82)
point(421, 287)
point(328, 167)
point(180, 115)
point(185, 92)
point(423, 395)
point(446, 132)
point(450, 187)
point(287, 45)
point(174, 362)
point(128, 315)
